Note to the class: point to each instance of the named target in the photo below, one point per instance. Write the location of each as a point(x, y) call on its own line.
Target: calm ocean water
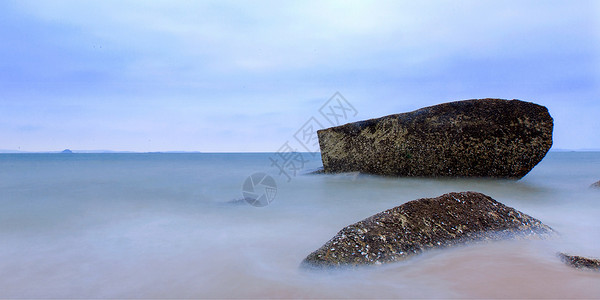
point(163, 225)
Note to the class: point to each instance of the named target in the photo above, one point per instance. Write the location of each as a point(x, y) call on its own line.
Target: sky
point(228, 76)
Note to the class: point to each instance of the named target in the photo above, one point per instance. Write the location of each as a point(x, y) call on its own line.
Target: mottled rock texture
point(423, 224)
point(595, 184)
point(580, 262)
point(475, 138)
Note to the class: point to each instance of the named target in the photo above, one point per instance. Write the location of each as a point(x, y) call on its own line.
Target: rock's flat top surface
point(477, 138)
point(422, 224)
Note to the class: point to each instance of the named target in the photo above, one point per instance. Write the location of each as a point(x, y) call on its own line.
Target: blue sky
point(246, 75)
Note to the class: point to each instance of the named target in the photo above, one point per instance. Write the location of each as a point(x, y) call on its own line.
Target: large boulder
point(480, 138)
point(595, 184)
point(423, 224)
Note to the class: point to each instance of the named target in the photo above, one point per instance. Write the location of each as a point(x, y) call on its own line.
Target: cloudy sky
point(246, 75)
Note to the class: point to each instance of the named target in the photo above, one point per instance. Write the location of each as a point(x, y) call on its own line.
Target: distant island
point(66, 151)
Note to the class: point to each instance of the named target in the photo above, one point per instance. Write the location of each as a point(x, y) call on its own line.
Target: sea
point(181, 225)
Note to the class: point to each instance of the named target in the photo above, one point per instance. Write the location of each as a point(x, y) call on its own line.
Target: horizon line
point(4, 151)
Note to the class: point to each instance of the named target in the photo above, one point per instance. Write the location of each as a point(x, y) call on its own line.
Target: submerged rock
point(580, 262)
point(479, 138)
point(239, 201)
point(318, 170)
point(423, 224)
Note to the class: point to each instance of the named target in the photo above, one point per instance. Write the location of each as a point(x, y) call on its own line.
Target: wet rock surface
point(470, 138)
point(419, 225)
point(595, 184)
point(580, 262)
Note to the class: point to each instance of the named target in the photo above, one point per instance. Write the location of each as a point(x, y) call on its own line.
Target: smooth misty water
point(159, 225)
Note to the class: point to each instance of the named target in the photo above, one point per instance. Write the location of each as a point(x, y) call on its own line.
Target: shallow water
point(161, 225)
